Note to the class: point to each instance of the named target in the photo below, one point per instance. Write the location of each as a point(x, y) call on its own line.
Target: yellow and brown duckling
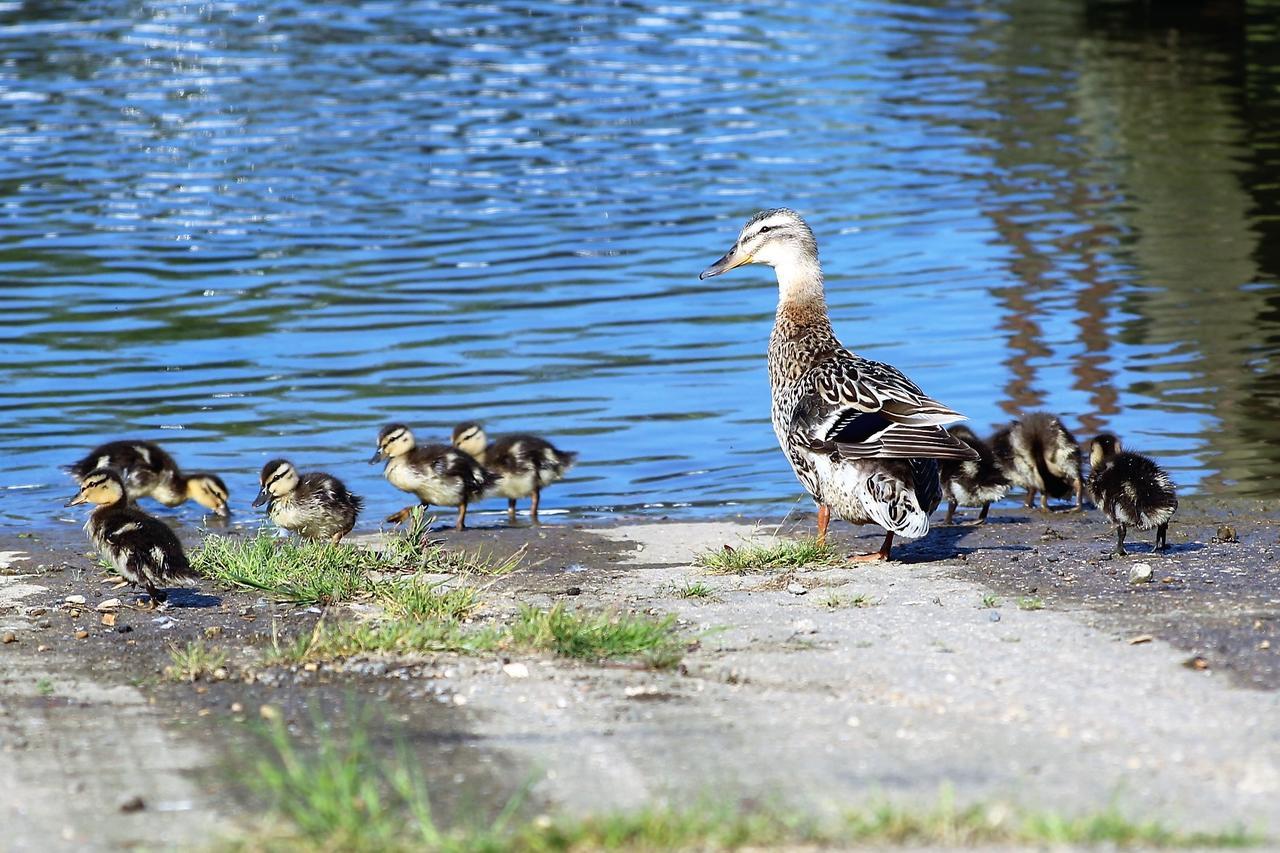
point(1130, 489)
point(970, 482)
point(1038, 453)
point(313, 505)
point(522, 465)
point(148, 471)
point(437, 474)
point(142, 549)
point(862, 438)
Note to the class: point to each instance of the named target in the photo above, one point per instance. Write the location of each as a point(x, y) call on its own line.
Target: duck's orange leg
point(824, 521)
point(876, 556)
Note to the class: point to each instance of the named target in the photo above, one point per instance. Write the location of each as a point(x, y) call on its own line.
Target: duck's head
point(469, 437)
point(209, 491)
point(777, 237)
point(101, 486)
point(278, 478)
point(1103, 447)
point(393, 440)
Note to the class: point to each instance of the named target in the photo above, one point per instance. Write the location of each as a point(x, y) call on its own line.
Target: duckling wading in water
point(148, 471)
point(314, 505)
point(142, 549)
point(522, 465)
point(436, 473)
point(1130, 489)
point(862, 438)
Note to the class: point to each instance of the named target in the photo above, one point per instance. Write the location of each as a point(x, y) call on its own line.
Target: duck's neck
point(800, 285)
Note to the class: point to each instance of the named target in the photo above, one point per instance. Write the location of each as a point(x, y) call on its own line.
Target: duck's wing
point(865, 409)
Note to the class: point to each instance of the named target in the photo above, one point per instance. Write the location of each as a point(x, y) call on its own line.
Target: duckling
point(315, 505)
point(436, 473)
point(148, 471)
point(522, 465)
point(1130, 488)
point(862, 438)
point(967, 483)
point(1040, 454)
point(143, 549)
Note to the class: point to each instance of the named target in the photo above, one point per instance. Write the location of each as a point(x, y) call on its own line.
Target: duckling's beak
point(78, 499)
point(263, 497)
point(377, 454)
point(223, 510)
point(732, 259)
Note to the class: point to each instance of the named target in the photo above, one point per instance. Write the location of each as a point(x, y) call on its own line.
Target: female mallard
point(147, 471)
point(971, 483)
point(522, 465)
point(436, 473)
point(315, 505)
point(1130, 488)
point(862, 438)
point(1039, 454)
point(141, 548)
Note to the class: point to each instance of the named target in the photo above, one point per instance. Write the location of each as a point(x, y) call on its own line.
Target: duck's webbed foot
point(402, 516)
point(876, 556)
point(951, 512)
point(982, 516)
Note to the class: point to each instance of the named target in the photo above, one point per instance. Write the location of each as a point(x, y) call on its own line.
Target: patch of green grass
point(343, 795)
point(413, 549)
point(779, 554)
point(291, 570)
point(416, 598)
point(599, 636)
point(396, 637)
point(193, 661)
point(694, 589)
point(835, 602)
point(989, 601)
point(44, 687)
point(1031, 602)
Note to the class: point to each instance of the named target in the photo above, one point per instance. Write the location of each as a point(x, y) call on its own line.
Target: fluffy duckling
point(1039, 454)
point(862, 438)
point(1130, 488)
point(522, 465)
point(315, 505)
point(143, 549)
point(971, 482)
point(148, 471)
point(436, 473)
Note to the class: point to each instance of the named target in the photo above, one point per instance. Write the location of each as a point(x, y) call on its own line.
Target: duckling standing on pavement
point(1130, 488)
point(436, 473)
point(148, 471)
point(314, 505)
point(971, 482)
point(522, 465)
point(1038, 453)
point(143, 549)
point(862, 438)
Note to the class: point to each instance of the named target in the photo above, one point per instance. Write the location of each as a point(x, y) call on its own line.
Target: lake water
point(261, 229)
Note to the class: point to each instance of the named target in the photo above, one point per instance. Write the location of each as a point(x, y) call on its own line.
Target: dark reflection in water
point(261, 229)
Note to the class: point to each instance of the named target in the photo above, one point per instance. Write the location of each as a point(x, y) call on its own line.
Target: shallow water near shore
point(252, 230)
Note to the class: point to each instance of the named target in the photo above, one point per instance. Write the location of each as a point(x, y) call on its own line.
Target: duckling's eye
point(765, 228)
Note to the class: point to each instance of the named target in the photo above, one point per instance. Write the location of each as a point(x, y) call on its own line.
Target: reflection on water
point(253, 230)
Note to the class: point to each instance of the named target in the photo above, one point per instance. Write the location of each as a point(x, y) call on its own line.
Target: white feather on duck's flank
point(1130, 489)
point(522, 465)
point(862, 438)
point(1038, 453)
point(314, 505)
point(148, 471)
point(142, 549)
point(437, 474)
point(970, 482)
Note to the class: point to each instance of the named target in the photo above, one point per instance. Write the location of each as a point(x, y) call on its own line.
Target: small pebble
point(269, 712)
point(9, 637)
point(796, 588)
point(74, 599)
point(516, 670)
point(82, 634)
point(573, 590)
point(109, 604)
point(133, 804)
point(993, 616)
point(1141, 573)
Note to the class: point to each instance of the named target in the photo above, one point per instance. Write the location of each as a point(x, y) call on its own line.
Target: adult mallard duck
point(862, 438)
point(148, 471)
point(436, 473)
point(970, 483)
point(522, 465)
point(315, 505)
point(142, 549)
point(1038, 453)
point(1130, 489)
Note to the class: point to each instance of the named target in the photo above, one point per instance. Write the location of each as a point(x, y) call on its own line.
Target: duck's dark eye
point(765, 228)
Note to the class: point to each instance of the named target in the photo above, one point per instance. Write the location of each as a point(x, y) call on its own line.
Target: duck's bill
point(731, 260)
point(263, 496)
point(224, 511)
point(79, 498)
point(377, 455)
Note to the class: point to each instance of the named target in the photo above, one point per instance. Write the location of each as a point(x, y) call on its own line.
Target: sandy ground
point(1157, 698)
